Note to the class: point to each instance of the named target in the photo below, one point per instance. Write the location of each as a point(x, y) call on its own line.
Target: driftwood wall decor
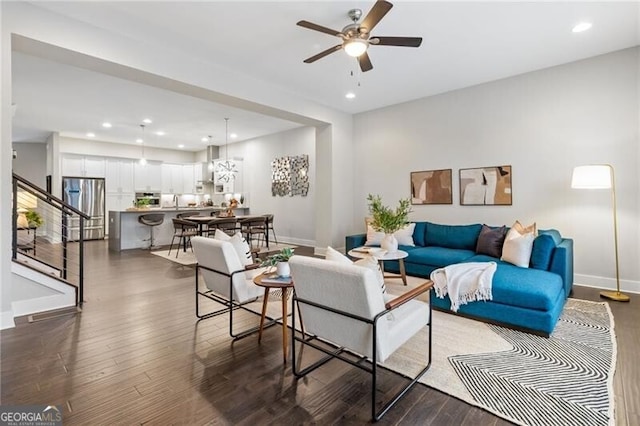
point(290, 176)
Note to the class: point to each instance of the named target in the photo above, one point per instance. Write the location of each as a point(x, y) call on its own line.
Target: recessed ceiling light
point(106, 125)
point(181, 146)
point(139, 140)
point(91, 135)
point(582, 26)
point(233, 135)
point(160, 133)
point(350, 95)
point(205, 139)
point(147, 121)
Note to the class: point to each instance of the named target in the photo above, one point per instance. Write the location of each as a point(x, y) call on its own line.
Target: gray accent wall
point(541, 123)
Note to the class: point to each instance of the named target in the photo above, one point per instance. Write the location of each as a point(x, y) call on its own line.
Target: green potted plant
point(34, 219)
point(143, 203)
point(281, 261)
point(387, 220)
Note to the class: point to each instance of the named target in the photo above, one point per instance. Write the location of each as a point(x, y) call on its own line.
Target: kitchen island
point(125, 232)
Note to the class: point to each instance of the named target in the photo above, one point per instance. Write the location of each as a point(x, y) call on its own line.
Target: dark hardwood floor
point(136, 355)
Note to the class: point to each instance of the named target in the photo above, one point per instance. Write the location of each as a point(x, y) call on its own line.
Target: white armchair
point(227, 281)
point(343, 305)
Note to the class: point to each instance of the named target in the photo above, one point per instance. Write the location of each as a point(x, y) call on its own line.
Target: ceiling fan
point(356, 37)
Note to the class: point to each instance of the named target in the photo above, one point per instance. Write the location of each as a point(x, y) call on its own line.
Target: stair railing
point(41, 236)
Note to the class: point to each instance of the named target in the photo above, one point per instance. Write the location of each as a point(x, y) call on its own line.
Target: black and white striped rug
point(563, 380)
point(566, 379)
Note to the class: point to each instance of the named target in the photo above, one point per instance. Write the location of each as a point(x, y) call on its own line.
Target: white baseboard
point(6, 320)
point(606, 283)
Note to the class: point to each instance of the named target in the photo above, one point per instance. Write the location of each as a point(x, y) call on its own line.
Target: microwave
point(153, 197)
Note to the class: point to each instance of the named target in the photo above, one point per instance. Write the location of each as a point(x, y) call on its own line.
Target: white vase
point(389, 243)
point(282, 269)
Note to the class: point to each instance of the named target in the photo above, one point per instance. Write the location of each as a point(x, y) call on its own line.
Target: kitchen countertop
point(174, 209)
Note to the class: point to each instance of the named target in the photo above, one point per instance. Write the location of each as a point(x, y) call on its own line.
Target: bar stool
point(152, 220)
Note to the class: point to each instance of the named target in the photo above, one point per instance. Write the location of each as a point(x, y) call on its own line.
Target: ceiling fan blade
point(316, 27)
point(396, 41)
point(365, 62)
point(377, 12)
point(323, 54)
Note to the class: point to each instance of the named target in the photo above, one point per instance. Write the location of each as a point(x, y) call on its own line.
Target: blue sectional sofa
point(530, 299)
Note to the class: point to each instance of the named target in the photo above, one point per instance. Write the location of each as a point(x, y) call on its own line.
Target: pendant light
point(210, 166)
point(225, 171)
point(143, 161)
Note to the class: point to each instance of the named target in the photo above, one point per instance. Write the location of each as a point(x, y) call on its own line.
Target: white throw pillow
point(334, 255)
point(404, 236)
point(366, 262)
point(517, 246)
point(374, 238)
point(370, 262)
point(240, 245)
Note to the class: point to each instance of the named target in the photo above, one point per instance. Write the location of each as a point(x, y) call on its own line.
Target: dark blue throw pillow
point(542, 252)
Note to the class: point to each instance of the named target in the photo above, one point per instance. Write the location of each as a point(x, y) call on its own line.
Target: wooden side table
point(284, 287)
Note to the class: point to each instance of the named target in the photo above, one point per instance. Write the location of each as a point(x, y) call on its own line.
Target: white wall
point(6, 312)
point(31, 162)
point(294, 217)
point(541, 123)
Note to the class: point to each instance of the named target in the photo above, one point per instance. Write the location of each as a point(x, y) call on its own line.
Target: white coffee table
point(381, 256)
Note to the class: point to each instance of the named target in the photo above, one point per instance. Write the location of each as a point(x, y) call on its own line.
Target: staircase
point(48, 266)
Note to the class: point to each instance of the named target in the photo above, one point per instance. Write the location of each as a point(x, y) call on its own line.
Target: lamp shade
point(594, 176)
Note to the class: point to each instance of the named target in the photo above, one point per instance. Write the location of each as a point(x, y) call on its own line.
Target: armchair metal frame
point(361, 360)
point(229, 304)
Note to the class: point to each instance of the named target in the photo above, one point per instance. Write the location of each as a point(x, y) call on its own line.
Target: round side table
point(399, 255)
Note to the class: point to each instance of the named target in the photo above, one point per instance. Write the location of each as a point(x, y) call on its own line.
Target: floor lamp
point(601, 176)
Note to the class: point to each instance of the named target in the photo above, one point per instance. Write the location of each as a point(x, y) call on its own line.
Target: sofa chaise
point(529, 299)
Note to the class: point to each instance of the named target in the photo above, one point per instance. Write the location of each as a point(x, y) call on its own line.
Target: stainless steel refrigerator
point(86, 195)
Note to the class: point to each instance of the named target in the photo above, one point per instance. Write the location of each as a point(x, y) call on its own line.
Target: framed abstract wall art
point(431, 187)
point(485, 186)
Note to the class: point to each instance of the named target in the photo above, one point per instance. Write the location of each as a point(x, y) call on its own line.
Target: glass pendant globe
point(355, 47)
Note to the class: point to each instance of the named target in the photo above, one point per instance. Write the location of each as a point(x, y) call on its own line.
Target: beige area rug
point(188, 258)
point(526, 379)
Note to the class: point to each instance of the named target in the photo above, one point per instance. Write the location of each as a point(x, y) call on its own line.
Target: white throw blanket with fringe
point(464, 282)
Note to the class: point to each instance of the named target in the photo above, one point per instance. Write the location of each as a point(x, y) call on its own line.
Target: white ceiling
point(464, 44)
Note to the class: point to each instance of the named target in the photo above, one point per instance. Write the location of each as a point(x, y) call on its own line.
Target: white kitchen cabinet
point(172, 179)
point(188, 179)
point(119, 202)
point(197, 174)
point(147, 178)
point(83, 166)
point(119, 176)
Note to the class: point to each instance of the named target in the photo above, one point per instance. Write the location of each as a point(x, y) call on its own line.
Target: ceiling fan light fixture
point(355, 47)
